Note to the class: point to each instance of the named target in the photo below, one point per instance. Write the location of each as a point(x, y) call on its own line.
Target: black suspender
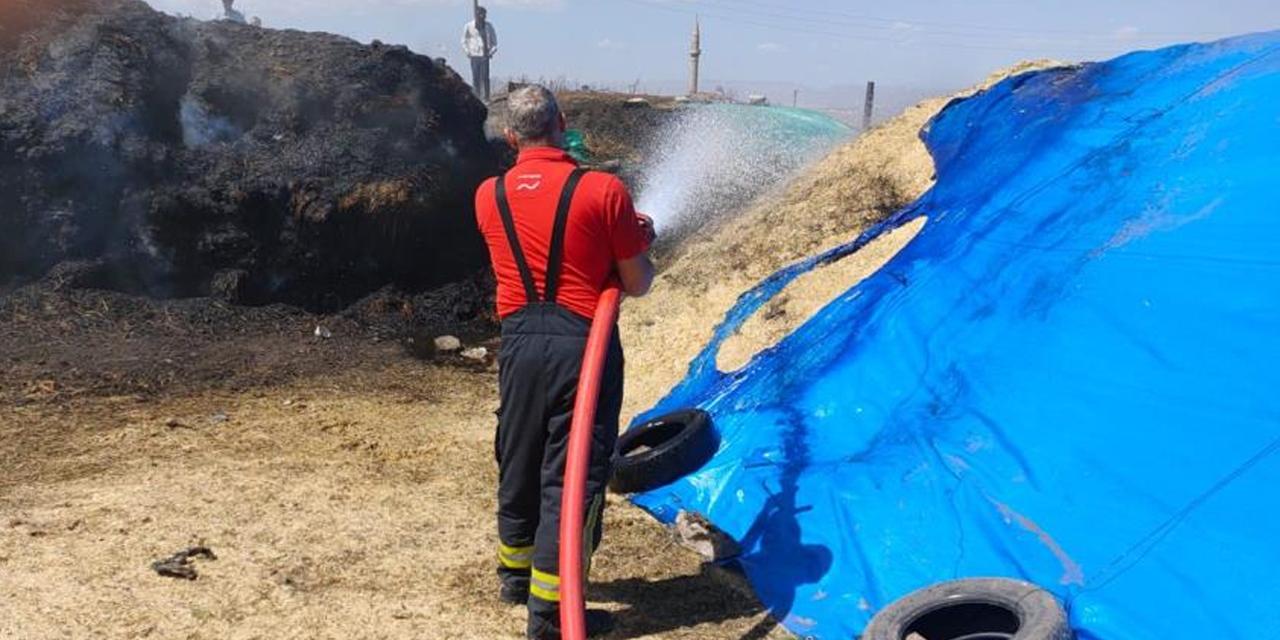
point(509, 223)
point(555, 256)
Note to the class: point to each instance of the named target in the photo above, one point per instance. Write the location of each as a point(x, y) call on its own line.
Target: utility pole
point(695, 51)
point(866, 108)
point(475, 19)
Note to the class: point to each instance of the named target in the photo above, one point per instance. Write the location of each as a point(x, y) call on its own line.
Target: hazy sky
point(811, 43)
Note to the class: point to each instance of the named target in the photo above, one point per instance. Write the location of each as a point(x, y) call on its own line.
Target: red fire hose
point(573, 625)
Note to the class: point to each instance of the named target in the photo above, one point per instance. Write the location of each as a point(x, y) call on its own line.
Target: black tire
point(973, 609)
point(662, 450)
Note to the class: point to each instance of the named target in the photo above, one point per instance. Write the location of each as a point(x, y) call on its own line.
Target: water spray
point(716, 158)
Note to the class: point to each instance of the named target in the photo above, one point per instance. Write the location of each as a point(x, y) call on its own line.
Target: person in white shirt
point(480, 46)
point(228, 13)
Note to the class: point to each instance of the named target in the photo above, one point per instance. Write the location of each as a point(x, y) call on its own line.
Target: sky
point(825, 49)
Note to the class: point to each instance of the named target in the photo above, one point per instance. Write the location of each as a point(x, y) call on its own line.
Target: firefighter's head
point(534, 118)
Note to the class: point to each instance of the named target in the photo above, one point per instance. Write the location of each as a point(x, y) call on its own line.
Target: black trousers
point(480, 77)
point(539, 362)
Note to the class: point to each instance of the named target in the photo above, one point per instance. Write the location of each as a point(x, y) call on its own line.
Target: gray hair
point(532, 113)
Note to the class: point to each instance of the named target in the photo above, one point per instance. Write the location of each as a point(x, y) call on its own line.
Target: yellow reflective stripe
point(515, 557)
point(539, 592)
point(515, 551)
point(514, 564)
point(545, 586)
point(550, 579)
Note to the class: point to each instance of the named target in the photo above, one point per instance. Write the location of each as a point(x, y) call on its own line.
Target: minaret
point(694, 52)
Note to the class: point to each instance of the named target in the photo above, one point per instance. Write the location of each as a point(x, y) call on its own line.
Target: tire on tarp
point(663, 449)
point(986, 608)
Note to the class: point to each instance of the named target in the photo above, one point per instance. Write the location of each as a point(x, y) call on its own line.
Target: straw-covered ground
point(345, 485)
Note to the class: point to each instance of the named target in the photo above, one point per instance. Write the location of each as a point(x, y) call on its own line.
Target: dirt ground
point(346, 484)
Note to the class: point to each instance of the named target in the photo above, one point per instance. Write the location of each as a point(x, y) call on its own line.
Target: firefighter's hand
point(646, 225)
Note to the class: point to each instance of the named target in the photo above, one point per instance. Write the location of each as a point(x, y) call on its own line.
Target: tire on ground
point(986, 608)
point(662, 450)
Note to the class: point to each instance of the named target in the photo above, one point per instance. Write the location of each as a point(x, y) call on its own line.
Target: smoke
point(717, 158)
point(201, 128)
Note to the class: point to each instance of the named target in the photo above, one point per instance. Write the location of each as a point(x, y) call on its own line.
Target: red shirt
point(601, 230)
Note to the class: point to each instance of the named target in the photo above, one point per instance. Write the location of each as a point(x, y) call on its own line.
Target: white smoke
point(201, 128)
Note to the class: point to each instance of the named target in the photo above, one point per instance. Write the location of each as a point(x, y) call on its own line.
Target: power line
point(845, 35)
point(958, 25)
point(897, 26)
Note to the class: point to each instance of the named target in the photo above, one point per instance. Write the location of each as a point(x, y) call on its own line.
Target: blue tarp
point(1069, 376)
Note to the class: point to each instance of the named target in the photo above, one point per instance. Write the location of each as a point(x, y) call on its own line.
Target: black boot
point(515, 585)
point(544, 627)
point(515, 589)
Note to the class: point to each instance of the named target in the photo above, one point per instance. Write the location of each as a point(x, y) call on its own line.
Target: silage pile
point(850, 189)
point(171, 157)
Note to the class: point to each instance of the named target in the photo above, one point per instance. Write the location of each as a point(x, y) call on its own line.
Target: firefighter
point(557, 237)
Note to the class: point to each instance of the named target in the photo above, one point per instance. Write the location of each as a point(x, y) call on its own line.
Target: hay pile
point(850, 189)
point(171, 157)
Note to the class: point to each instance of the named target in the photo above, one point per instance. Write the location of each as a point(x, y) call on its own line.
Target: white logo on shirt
point(529, 186)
